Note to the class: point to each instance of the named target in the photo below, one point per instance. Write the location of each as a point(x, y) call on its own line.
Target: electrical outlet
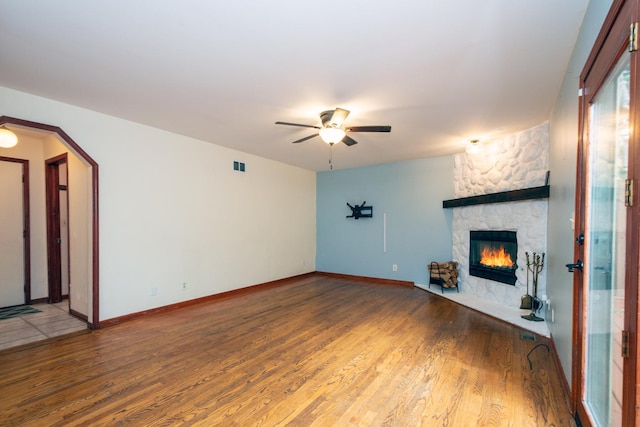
point(553, 316)
point(184, 286)
point(395, 267)
point(154, 292)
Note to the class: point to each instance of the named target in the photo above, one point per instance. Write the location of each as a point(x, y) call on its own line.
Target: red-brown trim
point(67, 237)
point(209, 298)
point(54, 254)
point(367, 279)
point(95, 254)
point(78, 315)
point(578, 253)
point(598, 45)
point(26, 224)
point(27, 231)
point(631, 393)
point(611, 43)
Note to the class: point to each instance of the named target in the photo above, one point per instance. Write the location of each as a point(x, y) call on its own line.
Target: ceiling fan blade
point(333, 118)
point(349, 141)
point(305, 138)
point(368, 129)
point(339, 116)
point(298, 124)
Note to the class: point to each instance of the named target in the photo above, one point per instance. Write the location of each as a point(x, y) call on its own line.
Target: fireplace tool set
point(535, 264)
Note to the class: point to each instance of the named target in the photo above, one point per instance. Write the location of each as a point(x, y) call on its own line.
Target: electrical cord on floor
point(531, 351)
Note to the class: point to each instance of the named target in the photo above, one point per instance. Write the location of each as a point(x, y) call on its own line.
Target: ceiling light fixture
point(332, 135)
point(473, 147)
point(8, 139)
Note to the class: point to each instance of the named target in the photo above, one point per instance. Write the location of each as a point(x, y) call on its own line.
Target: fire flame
point(495, 257)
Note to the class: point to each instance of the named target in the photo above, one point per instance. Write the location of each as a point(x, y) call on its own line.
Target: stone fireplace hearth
point(517, 162)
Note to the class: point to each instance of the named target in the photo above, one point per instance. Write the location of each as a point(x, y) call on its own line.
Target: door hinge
point(625, 344)
point(633, 37)
point(628, 192)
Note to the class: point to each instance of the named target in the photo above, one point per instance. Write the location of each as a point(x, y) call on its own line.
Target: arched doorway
point(93, 316)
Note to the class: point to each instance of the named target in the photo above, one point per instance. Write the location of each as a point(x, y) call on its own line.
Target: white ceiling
point(438, 72)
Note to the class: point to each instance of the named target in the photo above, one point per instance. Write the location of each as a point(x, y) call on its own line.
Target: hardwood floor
point(315, 351)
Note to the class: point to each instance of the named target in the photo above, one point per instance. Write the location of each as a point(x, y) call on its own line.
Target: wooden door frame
point(26, 224)
point(54, 249)
point(94, 320)
point(611, 43)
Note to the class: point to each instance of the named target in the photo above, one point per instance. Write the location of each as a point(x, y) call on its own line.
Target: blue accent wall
point(418, 228)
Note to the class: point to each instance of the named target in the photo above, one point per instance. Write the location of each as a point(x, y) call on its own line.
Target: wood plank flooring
point(315, 351)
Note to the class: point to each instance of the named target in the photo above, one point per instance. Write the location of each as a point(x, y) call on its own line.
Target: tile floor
point(54, 320)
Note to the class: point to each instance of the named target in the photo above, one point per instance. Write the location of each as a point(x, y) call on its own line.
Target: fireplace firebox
point(493, 255)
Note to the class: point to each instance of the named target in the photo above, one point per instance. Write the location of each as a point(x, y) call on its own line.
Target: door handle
point(577, 266)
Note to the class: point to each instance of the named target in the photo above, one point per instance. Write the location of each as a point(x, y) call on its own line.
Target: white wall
point(563, 151)
point(172, 210)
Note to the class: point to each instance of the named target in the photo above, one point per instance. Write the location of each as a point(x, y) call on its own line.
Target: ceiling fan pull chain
point(330, 156)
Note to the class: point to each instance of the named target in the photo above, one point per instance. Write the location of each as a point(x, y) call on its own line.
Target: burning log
point(495, 257)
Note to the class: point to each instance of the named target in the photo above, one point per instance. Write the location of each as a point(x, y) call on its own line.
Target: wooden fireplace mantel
point(541, 192)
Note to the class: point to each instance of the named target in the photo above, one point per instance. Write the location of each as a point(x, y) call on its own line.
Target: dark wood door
point(54, 237)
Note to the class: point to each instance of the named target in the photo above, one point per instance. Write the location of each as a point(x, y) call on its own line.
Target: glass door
point(605, 246)
point(604, 377)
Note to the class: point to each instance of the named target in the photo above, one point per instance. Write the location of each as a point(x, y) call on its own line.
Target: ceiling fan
point(332, 129)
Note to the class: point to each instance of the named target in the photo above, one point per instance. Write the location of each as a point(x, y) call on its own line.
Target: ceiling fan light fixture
point(332, 135)
point(8, 139)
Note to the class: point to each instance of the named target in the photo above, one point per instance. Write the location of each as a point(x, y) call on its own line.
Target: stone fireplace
point(517, 162)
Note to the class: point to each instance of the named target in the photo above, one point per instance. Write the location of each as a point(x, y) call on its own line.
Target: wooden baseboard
point(79, 315)
point(45, 300)
point(237, 292)
point(209, 298)
point(367, 279)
